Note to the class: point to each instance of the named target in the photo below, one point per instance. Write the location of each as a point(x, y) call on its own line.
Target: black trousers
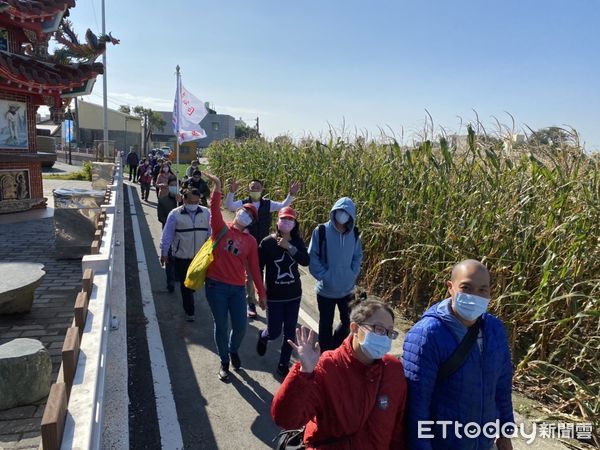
point(329, 339)
point(187, 295)
point(133, 171)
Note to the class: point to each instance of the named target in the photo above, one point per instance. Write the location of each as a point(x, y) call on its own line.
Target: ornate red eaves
point(40, 77)
point(40, 16)
point(35, 10)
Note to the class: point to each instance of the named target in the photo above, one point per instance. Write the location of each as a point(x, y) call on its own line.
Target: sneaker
point(190, 317)
point(224, 372)
point(261, 345)
point(235, 360)
point(283, 370)
point(251, 310)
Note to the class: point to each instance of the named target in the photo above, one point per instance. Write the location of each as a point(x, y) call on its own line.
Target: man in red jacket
point(350, 398)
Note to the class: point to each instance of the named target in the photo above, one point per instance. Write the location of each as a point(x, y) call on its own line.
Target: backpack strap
point(322, 243)
point(459, 356)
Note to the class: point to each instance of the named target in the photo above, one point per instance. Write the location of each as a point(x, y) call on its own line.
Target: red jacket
point(344, 397)
point(234, 251)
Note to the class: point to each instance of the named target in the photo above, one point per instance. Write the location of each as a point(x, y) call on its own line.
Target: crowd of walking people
point(346, 391)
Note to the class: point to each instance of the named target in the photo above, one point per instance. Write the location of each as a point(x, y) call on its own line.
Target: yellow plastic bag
point(196, 273)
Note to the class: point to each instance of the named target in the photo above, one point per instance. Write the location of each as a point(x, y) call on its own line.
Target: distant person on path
point(226, 277)
point(259, 229)
point(162, 180)
point(280, 253)
point(352, 397)
point(145, 178)
point(132, 161)
point(156, 171)
point(473, 384)
point(335, 258)
point(195, 165)
point(164, 207)
point(184, 233)
point(197, 182)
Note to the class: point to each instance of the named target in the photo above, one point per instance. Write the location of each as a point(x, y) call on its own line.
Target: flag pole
point(178, 122)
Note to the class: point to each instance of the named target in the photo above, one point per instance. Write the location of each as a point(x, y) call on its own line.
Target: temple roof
point(40, 16)
point(35, 8)
point(27, 74)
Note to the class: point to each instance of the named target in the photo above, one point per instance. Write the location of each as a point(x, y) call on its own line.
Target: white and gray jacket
point(184, 233)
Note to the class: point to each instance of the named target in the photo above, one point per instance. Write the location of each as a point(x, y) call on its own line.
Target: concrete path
point(212, 414)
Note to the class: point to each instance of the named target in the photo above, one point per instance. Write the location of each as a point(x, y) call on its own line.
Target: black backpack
point(323, 241)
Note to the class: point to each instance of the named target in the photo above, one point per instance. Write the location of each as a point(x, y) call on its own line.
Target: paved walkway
point(32, 239)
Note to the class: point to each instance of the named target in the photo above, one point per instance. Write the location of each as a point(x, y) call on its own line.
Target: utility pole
point(145, 138)
point(257, 127)
point(104, 85)
point(69, 117)
point(76, 124)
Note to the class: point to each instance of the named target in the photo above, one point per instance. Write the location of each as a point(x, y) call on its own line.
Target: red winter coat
point(345, 398)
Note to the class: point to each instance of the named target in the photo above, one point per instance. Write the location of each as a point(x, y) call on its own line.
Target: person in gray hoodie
point(335, 252)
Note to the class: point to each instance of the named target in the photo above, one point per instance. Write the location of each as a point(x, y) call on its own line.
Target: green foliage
point(245, 132)
point(85, 174)
point(87, 170)
point(155, 120)
point(533, 219)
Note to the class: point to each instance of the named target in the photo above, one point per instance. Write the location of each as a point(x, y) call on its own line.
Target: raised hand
point(294, 187)
point(283, 243)
point(233, 186)
point(308, 350)
point(214, 179)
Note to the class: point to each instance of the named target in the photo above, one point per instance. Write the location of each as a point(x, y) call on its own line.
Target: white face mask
point(191, 208)
point(244, 219)
point(341, 216)
point(376, 346)
point(469, 306)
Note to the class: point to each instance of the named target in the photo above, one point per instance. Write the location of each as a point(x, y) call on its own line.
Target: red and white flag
point(188, 112)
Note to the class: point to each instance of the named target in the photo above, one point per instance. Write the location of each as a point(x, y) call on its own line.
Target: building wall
point(125, 130)
point(217, 127)
point(91, 117)
point(88, 136)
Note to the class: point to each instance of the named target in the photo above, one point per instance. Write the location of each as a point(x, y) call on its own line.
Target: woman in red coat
point(352, 397)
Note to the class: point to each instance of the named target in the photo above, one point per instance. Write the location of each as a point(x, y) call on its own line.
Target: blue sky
point(301, 66)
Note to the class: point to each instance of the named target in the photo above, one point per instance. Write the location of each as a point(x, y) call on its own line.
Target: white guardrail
point(83, 427)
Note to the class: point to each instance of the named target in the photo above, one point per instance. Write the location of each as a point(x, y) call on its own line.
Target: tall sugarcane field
point(531, 214)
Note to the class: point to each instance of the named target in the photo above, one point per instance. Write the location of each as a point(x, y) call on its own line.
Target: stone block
point(25, 373)
point(17, 286)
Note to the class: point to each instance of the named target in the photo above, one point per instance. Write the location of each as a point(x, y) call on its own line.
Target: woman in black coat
point(280, 254)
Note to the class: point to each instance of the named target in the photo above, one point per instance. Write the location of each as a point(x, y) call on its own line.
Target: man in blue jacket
point(478, 391)
point(335, 254)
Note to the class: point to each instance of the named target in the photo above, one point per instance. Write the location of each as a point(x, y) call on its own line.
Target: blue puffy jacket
point(336, 277)
point(480, 391)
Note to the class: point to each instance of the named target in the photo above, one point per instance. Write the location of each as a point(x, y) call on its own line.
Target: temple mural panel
point(13, 124)
point(14, 185)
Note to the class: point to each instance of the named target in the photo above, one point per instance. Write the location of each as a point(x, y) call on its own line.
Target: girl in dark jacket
point(281, 253)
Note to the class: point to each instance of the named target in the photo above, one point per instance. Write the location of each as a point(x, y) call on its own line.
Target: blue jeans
point(282, 313)
point(226, 298)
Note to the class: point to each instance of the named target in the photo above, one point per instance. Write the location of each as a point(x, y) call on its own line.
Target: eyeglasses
point(381, 330)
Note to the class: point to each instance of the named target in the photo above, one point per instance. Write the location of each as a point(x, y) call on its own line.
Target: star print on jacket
point(285, 265)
